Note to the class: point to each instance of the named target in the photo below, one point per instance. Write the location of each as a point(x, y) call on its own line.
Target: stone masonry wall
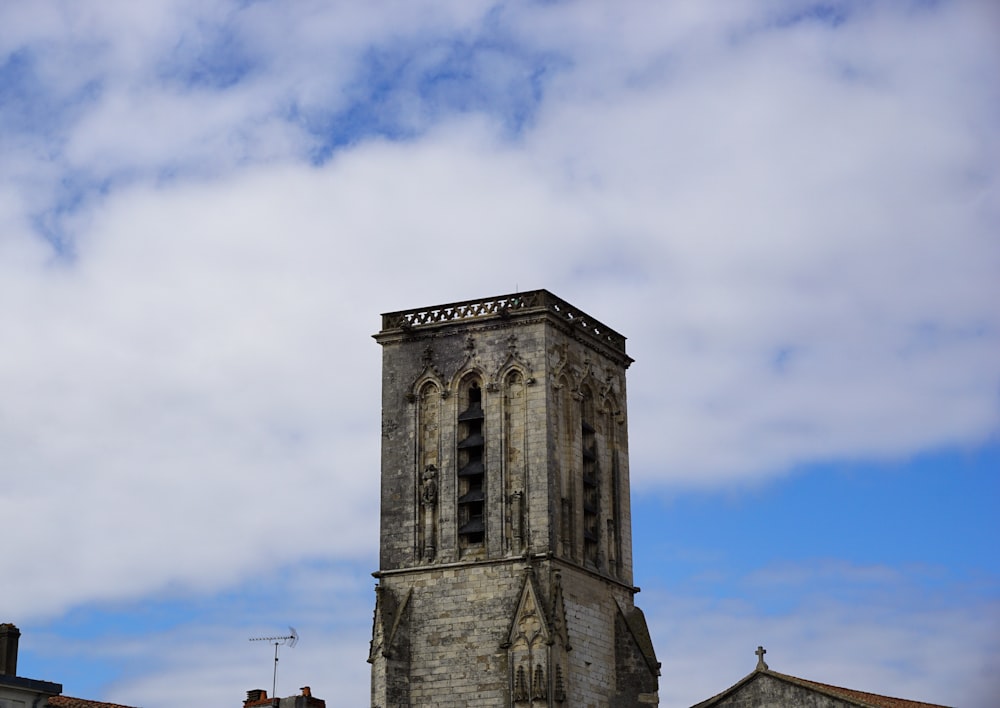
point(457, 625)
point(441, 359)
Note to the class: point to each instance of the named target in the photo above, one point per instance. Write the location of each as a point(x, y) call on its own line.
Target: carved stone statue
point(428, 502)
point(429, 487)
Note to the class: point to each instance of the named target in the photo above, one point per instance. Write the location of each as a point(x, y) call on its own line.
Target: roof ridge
point(876, 700)
point(71, 702)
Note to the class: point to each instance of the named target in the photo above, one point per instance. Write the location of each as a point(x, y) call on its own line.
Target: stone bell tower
point(505, 570)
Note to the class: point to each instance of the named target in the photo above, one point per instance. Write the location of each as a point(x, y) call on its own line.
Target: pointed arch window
point(590, 482)
point(471, 467)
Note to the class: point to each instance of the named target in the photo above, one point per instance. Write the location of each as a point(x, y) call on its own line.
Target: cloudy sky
point(792, 210)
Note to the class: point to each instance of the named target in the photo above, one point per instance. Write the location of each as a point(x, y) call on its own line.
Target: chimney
point(255, 696)
point(307, 700)
point(9, 634)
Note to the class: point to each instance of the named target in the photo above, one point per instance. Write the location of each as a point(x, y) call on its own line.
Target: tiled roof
point(867, 699)
point(861, 699)
point(70, 702)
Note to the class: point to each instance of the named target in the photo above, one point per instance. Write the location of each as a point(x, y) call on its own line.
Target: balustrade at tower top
point(532, 302)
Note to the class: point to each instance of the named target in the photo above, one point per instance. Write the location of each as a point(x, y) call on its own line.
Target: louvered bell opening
point(588, 508)
point(589, 480)
point(473, 526)
point(474, 412)
point(474, 495)
point(587, 428)
point(589, 455)
point(473, 469)
point(474, 440)
point(589, 536)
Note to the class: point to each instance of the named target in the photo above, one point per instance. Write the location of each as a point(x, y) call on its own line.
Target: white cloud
point(871, 629)
point(802, 225)
point(204, 650)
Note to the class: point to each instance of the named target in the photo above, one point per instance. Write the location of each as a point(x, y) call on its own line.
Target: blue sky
point(790, 208)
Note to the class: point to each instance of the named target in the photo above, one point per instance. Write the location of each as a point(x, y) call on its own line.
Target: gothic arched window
point(471, 465)
point(591, 481)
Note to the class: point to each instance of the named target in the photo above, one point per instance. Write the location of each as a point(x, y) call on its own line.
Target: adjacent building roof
point(861, 698)
point(70, 702)
point(782, 689)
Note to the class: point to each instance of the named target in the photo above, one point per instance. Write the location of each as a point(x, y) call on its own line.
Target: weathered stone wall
point(443, 358)
point(575, 372)
point(452, 639)
point(455, 628)
point(563, 371)
point(590, 615)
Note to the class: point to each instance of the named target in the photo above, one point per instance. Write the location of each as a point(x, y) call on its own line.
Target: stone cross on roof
point(761, 651)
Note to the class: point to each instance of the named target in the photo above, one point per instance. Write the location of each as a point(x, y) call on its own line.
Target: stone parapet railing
point(503, 306)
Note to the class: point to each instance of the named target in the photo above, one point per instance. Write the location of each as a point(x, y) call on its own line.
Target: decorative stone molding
point(504, 307)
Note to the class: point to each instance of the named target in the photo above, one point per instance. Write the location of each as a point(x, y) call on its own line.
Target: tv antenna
point(290, 641)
